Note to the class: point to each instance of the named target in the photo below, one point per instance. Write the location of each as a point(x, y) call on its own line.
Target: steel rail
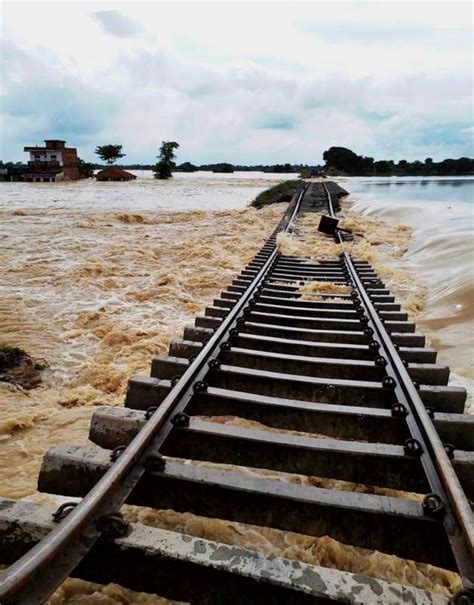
point(33, 577)
point(458, 518)
point(332, 214)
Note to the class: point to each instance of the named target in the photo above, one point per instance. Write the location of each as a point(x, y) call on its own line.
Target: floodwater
point(441, 253)
point(100, 276)
point(184, 192)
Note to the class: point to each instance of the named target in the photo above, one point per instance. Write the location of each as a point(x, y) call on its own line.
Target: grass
point(10, 356)
point(40, 366)
point(283, 192)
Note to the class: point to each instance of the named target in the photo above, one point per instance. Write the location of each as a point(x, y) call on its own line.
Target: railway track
point(351, 394)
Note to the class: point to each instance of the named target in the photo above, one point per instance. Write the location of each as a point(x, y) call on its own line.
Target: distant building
point(114, 174)
point(54, 162)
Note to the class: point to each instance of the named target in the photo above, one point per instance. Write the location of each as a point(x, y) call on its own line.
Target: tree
point(402, 166)
point(383, 167)
point(86, 169)
point(109, 153)
point(416, 167)
point(164, 168)
point(224, 167)
point(465, 166)
point(346, 161)
point(340, 158)
point(187, 167)
point(428, 167)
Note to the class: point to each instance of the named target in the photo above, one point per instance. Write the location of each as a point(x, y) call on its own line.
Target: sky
point(245, 82)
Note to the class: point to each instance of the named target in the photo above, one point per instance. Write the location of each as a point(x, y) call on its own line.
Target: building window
point(54, 157)
point(37, 156)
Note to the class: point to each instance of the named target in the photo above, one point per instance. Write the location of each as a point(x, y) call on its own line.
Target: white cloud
point(116, 23)
point(253, 82)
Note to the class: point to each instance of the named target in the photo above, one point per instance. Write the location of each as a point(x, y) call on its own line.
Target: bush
point(10, 356)
point(19, 368)
point(283, 192)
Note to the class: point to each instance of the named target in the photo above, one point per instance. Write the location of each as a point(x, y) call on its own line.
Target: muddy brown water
point(98, 293)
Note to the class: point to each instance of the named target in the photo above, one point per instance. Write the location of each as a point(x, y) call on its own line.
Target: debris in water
point(19, 368)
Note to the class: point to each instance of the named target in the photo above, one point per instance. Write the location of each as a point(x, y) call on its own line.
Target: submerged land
point(337, 161)
point(96, 293)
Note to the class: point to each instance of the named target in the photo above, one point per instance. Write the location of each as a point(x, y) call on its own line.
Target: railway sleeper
point(321, 309)
point(351, 351)
point(339, 421)
point(289, 277)
point(208, 571)
point(331, 302)
point(306, 261)
point(391, 525)
point(164, 366)
point(332, 334)
point(297, 307)
point(307, 273)
point(330, 310)
point(293, 292)
point(308, 268)
point(320, 319)
point(375, 464)
point(324, 262)
point(188, 348)
point(319, 322)
point(338, 303)
point(144, 391)
point(229, 299)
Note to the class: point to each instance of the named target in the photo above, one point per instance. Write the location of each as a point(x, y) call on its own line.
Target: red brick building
point(54, 162)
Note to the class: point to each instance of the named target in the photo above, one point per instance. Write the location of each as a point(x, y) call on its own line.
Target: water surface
point(185, 191)
point(441, 210)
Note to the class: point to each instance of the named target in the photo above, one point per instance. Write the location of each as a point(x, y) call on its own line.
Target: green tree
point(465, 166)
point(223, 167)
point(86, 169)
point(109, 153)
point(428, 167)
point(340, 158)
point(346, 161)
point(187, 167)
point(164, 167)
point(383, 167)
point(402, 167)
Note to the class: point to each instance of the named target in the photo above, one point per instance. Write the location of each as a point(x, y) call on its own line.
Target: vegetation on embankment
point(19, 368)
point(283, 192)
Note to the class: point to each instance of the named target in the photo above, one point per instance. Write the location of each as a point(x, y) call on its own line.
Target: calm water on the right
point(410, 189)
point(442, 212)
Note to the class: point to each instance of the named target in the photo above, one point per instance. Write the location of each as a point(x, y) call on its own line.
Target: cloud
point(64, 108)
point(448, 134)
point(386, 34)
point(116, 23)
point(284, 97)
point(42, 99)
point(276, 122)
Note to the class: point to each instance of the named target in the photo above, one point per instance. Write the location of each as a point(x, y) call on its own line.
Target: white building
point(53, 162)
